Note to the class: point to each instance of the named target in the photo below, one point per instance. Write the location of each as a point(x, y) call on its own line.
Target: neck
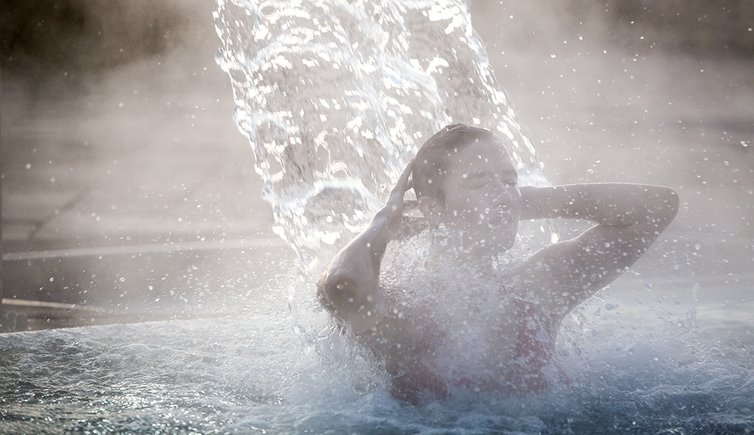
point(448, 244)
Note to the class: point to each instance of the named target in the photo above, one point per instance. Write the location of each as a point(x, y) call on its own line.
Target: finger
point(403, 181)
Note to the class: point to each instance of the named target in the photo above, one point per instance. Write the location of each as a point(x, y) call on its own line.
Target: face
point(482, 200)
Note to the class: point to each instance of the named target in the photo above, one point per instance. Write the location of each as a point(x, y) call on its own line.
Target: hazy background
point(126, 185)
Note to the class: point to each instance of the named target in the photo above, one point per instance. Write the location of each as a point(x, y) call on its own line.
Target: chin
point(504, 246)
point(508, 245)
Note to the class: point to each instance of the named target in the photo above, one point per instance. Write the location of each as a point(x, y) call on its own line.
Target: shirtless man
point(467, 192)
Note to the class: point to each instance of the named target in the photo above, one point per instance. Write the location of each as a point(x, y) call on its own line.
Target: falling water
point(336, 96)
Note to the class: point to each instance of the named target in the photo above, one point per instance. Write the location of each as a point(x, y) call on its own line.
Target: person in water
point(467, 191)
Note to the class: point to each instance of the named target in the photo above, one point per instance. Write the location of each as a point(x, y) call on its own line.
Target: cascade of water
point(336, 96)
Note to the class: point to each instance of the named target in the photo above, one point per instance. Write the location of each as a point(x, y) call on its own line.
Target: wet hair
point(437, 153)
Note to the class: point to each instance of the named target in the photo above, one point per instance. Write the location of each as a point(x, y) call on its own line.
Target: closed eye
point(477, 181)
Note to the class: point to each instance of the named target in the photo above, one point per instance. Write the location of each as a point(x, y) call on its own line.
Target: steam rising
point(117, 135)
point(667, 347)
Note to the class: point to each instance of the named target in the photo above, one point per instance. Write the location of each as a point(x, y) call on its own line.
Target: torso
point(461, 327)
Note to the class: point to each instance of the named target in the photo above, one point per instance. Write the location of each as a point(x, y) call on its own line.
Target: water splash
point(250, 374)
point(336, 96)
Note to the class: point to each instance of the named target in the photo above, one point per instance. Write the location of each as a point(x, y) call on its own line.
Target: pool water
point(640, 362)
point(646, 370)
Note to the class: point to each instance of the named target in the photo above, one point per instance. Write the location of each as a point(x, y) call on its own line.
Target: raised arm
point(629, 219)
point(349, 286)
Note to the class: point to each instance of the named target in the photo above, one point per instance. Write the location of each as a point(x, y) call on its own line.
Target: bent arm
point(610, 204)
point(629, 219)
point(349, 286)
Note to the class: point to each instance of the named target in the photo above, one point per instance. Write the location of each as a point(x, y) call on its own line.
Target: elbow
point(350, 299)
point(669, 204)
point(335, 291)
point(662, 209)
point(326, 288)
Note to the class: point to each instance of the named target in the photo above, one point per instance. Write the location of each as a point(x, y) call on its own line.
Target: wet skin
point(482, 201)
point(481, 209)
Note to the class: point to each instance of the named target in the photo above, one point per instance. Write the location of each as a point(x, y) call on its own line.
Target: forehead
point(481, 155)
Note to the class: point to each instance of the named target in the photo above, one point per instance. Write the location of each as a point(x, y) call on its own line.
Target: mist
point(659, 94)
point(118, 137)
point(117, 132)
point(131, 206)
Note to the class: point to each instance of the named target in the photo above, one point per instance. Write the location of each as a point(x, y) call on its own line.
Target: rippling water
point(645, 371)
point(335, 97)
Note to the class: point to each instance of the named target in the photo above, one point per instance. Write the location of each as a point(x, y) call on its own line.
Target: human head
point(437, 154)
point(464, 178)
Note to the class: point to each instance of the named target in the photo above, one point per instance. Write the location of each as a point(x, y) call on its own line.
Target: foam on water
point(334, 97)
point(632, 372)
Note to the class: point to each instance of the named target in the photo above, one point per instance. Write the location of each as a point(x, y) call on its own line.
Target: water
point(335, 97)
point(334, 103)
point(653, 370)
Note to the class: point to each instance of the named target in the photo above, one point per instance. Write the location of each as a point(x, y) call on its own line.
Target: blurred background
point(128, 194)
